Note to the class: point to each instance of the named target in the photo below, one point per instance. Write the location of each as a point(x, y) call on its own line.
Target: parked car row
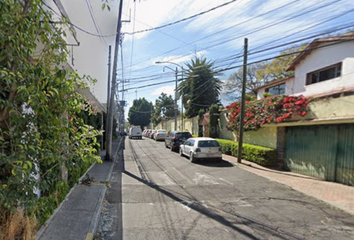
point(157, 135)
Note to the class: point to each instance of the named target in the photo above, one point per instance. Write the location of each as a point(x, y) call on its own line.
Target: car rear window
point(184, 135)
point(208, 143)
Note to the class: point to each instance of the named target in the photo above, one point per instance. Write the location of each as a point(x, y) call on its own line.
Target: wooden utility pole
point(242, 115)
point(110, 113)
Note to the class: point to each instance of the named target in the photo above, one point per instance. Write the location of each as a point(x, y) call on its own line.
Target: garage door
point(322, 151)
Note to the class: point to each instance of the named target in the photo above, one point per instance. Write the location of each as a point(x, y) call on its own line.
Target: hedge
point(261, 155)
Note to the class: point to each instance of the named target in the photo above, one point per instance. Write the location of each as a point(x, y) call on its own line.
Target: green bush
point(261, 155)
point(46, 205)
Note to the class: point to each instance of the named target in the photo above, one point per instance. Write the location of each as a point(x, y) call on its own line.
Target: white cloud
point(169, 90)
point(180, 58)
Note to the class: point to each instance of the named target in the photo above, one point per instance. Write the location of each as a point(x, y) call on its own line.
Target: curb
point(94, 223)
point(95, 219)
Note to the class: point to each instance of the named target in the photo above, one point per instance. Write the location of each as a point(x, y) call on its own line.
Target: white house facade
point(327, 67)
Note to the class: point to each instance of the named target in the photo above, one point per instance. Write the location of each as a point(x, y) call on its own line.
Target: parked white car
point(160, 134)
point(201, 148)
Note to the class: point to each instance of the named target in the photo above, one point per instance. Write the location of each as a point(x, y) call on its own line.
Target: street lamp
point(176, 108)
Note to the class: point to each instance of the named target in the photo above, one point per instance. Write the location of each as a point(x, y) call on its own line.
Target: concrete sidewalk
point(77, 216)
point(336, 194)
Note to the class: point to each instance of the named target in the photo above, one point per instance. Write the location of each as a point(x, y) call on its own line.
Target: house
point(277, 87)
point(323, 145)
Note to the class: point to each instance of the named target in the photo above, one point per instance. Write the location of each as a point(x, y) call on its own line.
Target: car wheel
point(192, 158)
point(180, 152)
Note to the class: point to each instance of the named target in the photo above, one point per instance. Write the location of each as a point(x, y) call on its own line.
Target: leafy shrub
point(261, 155)
point(46, 205)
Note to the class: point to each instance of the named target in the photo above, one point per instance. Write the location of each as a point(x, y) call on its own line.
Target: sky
point(212, 31)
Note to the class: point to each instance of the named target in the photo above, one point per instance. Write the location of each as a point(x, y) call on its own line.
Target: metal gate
point(322, 151)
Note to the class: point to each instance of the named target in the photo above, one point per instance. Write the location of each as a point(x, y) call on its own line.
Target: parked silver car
point(201, 148)
point(160, 134)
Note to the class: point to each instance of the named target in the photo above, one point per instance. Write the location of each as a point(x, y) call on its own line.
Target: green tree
point(164, 108)
point(201, 88)
point(276, 68)
point(234, 83)
point(261, 73)
point(41, 130)
point(140, 113)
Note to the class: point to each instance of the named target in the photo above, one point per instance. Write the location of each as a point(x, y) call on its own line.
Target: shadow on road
point(231, 220)
point(215, 163)
point(283, 172)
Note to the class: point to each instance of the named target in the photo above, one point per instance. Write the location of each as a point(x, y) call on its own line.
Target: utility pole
point(175, 106)
point(110, 114)
point(242, 116)
point(182, 102)
point(176, 72)
point(108, 89)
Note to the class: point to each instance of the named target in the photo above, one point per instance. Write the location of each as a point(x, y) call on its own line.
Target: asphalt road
point(156, 194)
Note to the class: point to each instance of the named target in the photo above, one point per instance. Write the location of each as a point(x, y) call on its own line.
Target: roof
point(92, 100)
point(273, 83)
point(315, 44)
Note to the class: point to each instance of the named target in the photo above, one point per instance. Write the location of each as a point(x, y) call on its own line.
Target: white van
point(135, 132)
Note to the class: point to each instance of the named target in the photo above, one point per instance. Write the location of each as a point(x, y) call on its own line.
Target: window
point(208, 144)
point(276, 90)
point(184, 135)
point(324, 74)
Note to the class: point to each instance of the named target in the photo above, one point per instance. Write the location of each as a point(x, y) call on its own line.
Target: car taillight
point(175, 138)
point(197, 150)
point(219, 149)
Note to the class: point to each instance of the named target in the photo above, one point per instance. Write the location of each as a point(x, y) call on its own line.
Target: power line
point(89, 6)
point(254, 62)
point(183, 19)
point(246, 33)
point(283, 55)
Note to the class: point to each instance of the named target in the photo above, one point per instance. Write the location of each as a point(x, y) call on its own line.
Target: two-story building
point(323, 144)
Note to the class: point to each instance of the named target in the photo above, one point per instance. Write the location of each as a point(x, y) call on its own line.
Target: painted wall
point(320, 58)
point(265, 137)
point(91, 56)
point(189, 124)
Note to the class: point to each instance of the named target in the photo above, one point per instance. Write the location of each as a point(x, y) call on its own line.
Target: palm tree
point(201, 88)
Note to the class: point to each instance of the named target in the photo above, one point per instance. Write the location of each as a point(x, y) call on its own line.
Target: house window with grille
point(324, 74)
point(276, 90)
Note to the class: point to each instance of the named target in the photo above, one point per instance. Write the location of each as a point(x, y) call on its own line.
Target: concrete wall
point(190, 125)
point(323, 57)
point(265, 136)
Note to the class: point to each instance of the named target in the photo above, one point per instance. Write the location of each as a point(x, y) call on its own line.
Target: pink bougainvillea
point(273, 109)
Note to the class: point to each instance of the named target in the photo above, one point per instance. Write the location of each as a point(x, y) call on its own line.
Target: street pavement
point(160, 195)
point(151, 193)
